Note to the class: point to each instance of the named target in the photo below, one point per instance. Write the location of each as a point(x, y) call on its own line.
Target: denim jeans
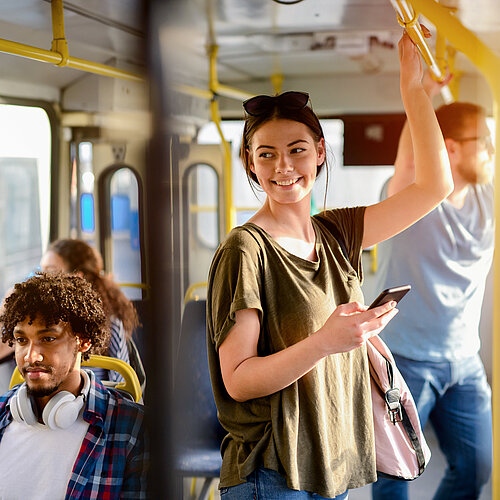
point(266, 484)
point(456, 398)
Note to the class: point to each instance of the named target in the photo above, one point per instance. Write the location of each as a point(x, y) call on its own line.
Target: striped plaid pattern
point(112, 462)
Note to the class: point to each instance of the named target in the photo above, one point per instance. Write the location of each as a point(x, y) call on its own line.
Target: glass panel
point(126, 266)
point(24, 191)
point(342, 184)
point(86, 192)
point(203, 188)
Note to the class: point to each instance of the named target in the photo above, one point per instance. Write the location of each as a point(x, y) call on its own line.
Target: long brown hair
point(252, 123)
point(81, 257)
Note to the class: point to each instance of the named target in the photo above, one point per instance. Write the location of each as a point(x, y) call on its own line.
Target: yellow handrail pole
point(230, 216)
point(59, 43)
point(408, 18)
point(488, 64)
point(59, 54)
point(102, 69)
point(35, 53)
point(189, 295)
point(232, 93)
point(457, 74)
point(441, 52)
point(229, 212)
point(193, 91)
point(49, 56)
point(277, 81)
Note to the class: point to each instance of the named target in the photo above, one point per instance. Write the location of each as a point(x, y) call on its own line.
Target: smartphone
point(395, 293)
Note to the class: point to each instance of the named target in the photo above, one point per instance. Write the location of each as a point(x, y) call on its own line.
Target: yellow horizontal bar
point(42, 55)
point(218, 89)
point(225, 91)
point(195, 209)
point(103, 69)
point(20, 49)
point(135, 285)
point(194, 91)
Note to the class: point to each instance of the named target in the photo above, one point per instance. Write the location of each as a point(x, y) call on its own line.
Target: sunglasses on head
point(262, 104)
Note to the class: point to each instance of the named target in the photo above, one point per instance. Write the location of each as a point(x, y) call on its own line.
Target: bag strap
point(405, 419)
point(415, 442)
point(336, 234)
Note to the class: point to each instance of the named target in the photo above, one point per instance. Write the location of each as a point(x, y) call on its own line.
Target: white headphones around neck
point(59, 413)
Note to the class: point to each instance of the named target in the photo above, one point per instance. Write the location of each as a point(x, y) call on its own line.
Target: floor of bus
point(422, 488)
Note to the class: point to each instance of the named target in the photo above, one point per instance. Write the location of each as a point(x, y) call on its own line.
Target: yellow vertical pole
point(489, 65)
point(229, 211)
point(59, 43)
point(277, 81)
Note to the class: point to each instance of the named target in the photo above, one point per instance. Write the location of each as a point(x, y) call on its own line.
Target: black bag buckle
point(393, 401)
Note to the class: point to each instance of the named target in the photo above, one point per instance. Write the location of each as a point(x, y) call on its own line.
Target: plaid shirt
point(112, 462)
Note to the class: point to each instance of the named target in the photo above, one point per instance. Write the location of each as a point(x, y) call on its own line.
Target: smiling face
point(47, 357)
point(285, 157)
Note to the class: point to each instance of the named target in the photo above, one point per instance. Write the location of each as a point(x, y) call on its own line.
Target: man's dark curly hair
point(56, 297)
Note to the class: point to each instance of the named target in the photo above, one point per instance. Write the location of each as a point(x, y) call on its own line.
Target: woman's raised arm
point(433, 181)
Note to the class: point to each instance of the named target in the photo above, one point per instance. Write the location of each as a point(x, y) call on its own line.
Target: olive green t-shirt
point(318, 432)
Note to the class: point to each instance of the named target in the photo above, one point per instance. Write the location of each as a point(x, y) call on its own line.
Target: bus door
point(107, 195)
point(201, 227)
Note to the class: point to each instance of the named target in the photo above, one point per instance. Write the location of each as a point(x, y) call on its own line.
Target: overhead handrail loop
point(408, 19)
point(59, 43)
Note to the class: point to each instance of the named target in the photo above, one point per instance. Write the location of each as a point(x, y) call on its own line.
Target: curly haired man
point(76, 438)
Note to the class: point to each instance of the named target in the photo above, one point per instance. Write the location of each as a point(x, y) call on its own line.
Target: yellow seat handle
point(131, 382)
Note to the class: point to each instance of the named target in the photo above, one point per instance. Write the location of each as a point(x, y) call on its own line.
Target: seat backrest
point(130, 382)
point(196, 412)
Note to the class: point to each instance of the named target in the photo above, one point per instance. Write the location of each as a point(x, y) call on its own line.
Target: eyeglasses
point(262, 104)
point(484, 140)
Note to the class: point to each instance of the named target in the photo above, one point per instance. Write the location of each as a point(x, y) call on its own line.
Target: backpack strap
point(336, 234)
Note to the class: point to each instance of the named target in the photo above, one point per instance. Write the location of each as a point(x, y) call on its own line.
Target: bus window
point(86, 192)
point(25, 157)
point(203, 189)
point(245, 200)
point(343, 187)
point(203, 208)
point(125, 239)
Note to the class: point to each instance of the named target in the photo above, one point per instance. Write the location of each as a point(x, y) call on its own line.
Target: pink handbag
point(401, 449)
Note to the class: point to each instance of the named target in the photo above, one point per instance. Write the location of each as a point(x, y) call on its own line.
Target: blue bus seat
point(197, 432)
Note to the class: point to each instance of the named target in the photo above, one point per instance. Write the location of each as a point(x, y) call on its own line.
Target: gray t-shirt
point(318, 432)
point(445, 257)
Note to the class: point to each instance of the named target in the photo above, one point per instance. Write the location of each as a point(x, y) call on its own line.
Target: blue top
point(117, 349)
point(445, 257)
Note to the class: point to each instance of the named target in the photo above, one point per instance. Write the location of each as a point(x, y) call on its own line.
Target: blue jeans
point(456, 398)
point(266, 484)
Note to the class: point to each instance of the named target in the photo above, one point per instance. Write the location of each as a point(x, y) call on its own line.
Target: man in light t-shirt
point(446, 257)
point(73, 437)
